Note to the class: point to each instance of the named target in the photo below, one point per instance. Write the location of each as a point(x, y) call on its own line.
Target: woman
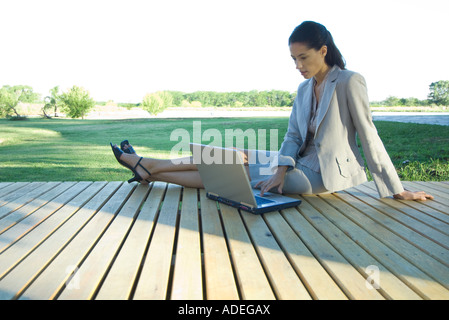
point(319, 153)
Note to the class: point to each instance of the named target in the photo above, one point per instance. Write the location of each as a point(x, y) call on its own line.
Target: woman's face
point(309, 62)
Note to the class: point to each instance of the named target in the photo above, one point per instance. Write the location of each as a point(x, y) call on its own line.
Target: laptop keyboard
point(262, 200)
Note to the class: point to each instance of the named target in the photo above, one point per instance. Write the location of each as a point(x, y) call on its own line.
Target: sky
point(122, 50)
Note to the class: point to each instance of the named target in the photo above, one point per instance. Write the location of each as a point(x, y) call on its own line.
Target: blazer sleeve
point(292, 141)
point(378, 161)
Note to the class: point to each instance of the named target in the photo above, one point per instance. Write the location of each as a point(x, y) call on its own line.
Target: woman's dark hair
point(315, 36)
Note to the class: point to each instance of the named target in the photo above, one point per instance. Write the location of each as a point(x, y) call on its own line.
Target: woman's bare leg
point(190, 179)
point(160, 165)
point(181, 171)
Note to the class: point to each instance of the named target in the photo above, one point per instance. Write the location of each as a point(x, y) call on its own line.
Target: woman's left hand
point(411, 195)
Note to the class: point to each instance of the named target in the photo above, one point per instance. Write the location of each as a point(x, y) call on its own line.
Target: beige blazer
point(343, 112)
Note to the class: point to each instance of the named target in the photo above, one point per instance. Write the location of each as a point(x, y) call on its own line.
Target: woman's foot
point(134, 163)
point(140, 165)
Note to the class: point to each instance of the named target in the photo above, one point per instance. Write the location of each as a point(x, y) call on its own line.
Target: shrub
point(157, 102)
point(196, 104)
point(76, 102)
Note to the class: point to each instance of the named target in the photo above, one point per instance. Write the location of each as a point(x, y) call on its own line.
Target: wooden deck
point(113, 240)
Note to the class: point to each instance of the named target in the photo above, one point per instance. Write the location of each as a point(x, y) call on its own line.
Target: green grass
point(78, 150)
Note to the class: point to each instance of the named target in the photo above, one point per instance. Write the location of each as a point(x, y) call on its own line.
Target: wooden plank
point(412, 223)
point(187, 275)
point(120, 279)
point(94, 267)
point(5, 184)
point(429, 207)
point(391, 264)
point(24, 237)
point(315, 278)
point(29, 255)
point(82, 249)
point(441, 188)
point(219, 276)
point(407, 210)
point(440, 204)
point(14, 200)
point(440, 185)
point(19, 230)
point(72, 241)
point(18, 197)
point(49, 192)
point(421, 241)
point(440, 195)
point(251, 278)
point(13, 187)
point(349, 243)
point(362, 215)
point(283, 278)
point(155, 275)
point(348, 278)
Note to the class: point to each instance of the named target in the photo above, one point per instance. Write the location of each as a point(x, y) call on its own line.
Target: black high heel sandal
point(137, 177)
point(130, 148)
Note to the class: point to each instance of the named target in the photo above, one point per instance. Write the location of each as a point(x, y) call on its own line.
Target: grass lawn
point(78, 150)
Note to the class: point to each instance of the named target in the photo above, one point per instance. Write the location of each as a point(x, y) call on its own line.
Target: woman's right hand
point(275, 181)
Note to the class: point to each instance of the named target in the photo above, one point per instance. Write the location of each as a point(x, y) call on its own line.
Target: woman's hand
point(410, 195)
point(276, 180)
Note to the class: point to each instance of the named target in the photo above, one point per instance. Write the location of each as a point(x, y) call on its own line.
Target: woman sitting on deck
point(319, 153)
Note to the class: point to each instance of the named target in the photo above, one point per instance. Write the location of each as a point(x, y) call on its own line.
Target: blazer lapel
point(305, 111)
point(329, 89)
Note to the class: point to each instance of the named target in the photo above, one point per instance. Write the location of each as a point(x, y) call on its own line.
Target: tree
point(157, 102)
point(76, 102)
point(11, 96)
point(52, 101)
point(392, 101)
point(439, 93)
point(8, 103)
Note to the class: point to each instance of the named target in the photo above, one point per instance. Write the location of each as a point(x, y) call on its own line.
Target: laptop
point(226, 180)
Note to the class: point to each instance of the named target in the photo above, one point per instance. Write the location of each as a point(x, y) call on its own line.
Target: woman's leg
point(190, 179)
point(180, 171)
point(303, 180)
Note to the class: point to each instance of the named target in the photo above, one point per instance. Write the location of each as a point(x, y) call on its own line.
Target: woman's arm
point(379, 162)
point(292, 140)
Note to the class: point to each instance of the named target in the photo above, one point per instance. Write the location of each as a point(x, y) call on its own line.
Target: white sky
point(121, 50)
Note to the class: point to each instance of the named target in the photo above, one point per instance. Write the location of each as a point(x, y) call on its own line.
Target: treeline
point(401, 102)
point(157, 102)
point(254, 98)
point(76, 101)
point(438, 96)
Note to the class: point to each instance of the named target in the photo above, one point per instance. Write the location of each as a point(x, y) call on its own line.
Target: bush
point(76, 102)
point(157, 102)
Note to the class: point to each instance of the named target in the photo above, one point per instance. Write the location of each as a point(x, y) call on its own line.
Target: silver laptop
point(226, 180)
